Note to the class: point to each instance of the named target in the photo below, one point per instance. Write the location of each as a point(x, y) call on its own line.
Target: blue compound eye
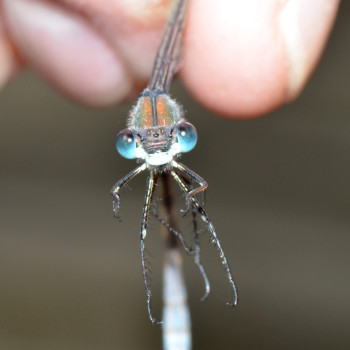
point(186, 136)
point(126, 144)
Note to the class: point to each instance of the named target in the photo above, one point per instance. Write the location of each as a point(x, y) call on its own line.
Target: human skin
point(240, 59)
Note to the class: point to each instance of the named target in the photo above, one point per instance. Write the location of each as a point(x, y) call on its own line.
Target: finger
point(245, 58)
point(66, 51)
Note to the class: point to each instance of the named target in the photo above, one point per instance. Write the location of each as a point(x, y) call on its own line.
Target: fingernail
point(67, 51)
point(305, 26)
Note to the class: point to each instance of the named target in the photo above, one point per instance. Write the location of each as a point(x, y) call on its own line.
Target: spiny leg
point(178, 234)
point(197, 258)
point(170, 224)
point(117, 187)
point(211, 228)
point(144, 223)
point(195, 253)
point(203, 185)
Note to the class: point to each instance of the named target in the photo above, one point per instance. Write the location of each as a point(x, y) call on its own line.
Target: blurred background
point(278, 195)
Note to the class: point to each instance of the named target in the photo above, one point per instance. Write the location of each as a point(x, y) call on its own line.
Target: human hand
point(240, 58)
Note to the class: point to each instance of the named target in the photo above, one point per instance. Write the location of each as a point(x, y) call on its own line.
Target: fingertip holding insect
point(65, 49)
point(258, 55)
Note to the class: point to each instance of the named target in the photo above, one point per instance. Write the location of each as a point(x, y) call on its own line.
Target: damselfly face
point(157, 131)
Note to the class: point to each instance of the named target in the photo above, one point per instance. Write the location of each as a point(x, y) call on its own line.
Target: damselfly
point(157, 134)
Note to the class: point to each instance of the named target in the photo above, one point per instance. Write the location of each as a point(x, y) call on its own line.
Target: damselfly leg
point(196, 253)
point(209, 224)
point(151, 181)
point(119, 185)
point(203, 185)
point(192, 251)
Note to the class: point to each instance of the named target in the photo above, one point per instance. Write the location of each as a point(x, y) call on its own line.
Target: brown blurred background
point(279, 196)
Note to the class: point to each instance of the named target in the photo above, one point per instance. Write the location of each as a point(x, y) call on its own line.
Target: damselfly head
point(157, 130)
point(157, 145)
